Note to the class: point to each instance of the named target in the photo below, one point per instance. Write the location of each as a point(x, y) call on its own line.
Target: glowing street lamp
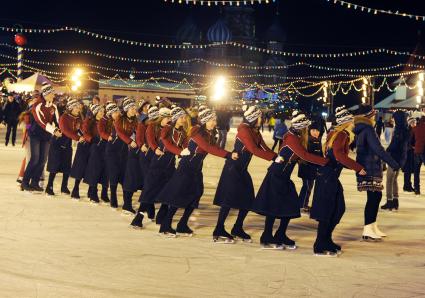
point(75, 78)
point(219, 90)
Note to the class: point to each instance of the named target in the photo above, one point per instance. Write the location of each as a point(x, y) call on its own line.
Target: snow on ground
point(54, 247)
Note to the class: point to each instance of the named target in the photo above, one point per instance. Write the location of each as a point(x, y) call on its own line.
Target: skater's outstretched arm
point(246, 136)
point(66, 126)
point(340, 149)
point(294, 144)
point(169, 145)
point(213, 149)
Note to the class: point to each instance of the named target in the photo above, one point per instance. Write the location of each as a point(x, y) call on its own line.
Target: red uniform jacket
point(46, 115)
point(89, 129)
point(174, 139)
point(105, 128)
point(205, 144)
point(340, 148)
point(254, 142)
point(292, 141)
point(153, 133)
point(125, 128)
point(141, 134)
point(70, 125)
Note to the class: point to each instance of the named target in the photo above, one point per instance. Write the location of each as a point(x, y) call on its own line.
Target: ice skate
point(220, 236)
point(239, 234)
point(269, 243)
point(335, 246)
point(395, 204)
point(26, 187)
point(321, 250)
point(377, 230)
point(184, 230)
point(389, 205)
point(167, 232)
point(75, 195)
point(36, 189)
point(49, 192)
point(369, 235)
point(128, 210)
point(281, 239)
point(104, 199)
point(137, 222)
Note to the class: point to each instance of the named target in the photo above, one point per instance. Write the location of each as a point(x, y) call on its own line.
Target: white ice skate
point(377, 230)
point(369, 235)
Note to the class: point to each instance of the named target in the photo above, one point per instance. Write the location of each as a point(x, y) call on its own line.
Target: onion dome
point(219, 32)
point(189, 32)
point(275, 32)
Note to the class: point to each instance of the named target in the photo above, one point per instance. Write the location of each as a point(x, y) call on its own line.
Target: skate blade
point(136, 227)
point(243, 240)
point(185, 235)
point(370, 239)
point(290, 247)
point(127, 213)
point(223, 240)
point(272, 247)
point(326, 254)
point(94, 203)
point(168, 235)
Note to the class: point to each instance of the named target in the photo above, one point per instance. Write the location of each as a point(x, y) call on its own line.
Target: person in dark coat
point(279, 131)
point(419, 135)
point(235, 189)
point(60, 152)
point(44, 125)
point(277, 196)
point(114, 148)
point(410, 157)
point(308, 171)
point(95, 172)
point(223, 126)
point(126, 126)
point(156, 151)
point(398, 151)
point(11, 113)
point(81, 157)
point(172, 141)
point(370, 154)
point(186, 186)
point(329, 203)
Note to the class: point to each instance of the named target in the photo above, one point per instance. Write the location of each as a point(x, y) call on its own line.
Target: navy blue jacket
point(369, 150)
point(400, 140)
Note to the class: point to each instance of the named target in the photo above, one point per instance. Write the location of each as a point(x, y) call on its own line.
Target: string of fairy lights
point(203, 46)
point(221, 2)
point(376, 11)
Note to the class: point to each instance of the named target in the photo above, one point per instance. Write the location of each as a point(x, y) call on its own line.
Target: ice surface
point(55, 247)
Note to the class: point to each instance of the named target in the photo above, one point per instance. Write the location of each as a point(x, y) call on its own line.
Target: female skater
point(328, 204)
point(235, 189)
point(277, 197)
point(369, 155)
point(96, 170)
point(125, 126)
point(186, 186)
point(113, 150)
point(60, 152)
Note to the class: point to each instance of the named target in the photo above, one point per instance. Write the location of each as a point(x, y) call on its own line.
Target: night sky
point(310, 26)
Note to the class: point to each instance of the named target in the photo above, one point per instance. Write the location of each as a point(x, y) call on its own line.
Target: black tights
point(372, 206)
point(183, 220)
point(224, 212)
point(77, 185)
point(52, 177)
point(268, 225)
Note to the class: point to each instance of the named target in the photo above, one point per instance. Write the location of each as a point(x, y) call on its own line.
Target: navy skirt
point(60, 155)
point(133, 179)
point(186, 186)
point(116, 161)
point(328, 199)
point(81, 158)
point(277, 196)
point(96, 170)
point(161, 169)
point(235, 188)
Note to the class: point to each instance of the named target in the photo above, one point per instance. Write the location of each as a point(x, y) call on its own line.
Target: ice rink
point(55, 247)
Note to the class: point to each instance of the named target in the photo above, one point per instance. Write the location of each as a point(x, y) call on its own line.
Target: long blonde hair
point(348, 127)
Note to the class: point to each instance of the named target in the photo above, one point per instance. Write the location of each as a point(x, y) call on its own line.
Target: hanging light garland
point(221, 2)
point(376, 11)
point(203, 46)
